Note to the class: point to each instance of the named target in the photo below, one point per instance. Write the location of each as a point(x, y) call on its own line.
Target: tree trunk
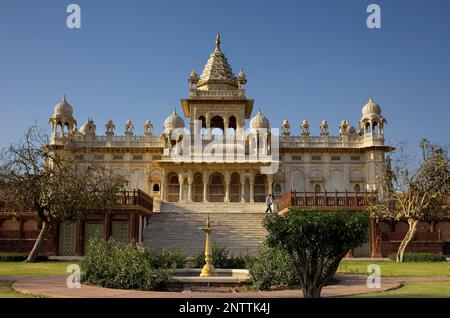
point(408, 238)
point(38, 244)
point(312, 292)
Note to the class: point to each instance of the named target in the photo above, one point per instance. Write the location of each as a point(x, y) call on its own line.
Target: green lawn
point(414, 289)
point(390, 268)
point(6, 291)
point(33, 269)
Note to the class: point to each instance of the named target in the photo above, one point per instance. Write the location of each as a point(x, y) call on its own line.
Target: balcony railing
point(325, 199)
point(134, 198)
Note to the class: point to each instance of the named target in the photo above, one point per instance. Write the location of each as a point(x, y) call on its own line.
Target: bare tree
point(56, 182)
point(420, 195)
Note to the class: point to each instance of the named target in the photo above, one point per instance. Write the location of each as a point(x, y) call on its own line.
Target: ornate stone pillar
point(205, 187)
point(242, 188)
point(227, 186)
point(270, 183)
point(225, 129)
point(190, 181)
point(162, 186)
point(252, 182)
point(208, 124)
point(181, 181)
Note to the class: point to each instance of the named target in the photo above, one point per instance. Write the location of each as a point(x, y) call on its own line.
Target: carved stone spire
point(218, 42)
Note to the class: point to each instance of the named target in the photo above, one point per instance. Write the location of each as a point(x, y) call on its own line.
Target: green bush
point(168, 258)
point(19, 257)
point(115, 265)
point(272, 267)
point(223, 258)
point(420, 257)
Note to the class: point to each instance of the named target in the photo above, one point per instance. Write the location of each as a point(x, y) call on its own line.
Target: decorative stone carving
point(344, 128)
point(305, 128)
point(129, 128)
point(110, 128)
point(324, 128)
point(242, 79)
point(148, 128)
point(285, 128)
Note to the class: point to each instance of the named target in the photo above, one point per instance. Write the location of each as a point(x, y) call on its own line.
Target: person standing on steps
point(269, 202)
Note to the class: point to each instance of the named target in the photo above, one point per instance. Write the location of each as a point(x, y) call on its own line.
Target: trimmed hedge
point(420, 257)
point(19, 257)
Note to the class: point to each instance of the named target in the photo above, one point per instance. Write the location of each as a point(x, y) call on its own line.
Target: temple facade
point(219, 155)
point(212, 155)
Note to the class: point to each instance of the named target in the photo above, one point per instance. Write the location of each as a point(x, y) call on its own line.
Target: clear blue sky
point(310, 60)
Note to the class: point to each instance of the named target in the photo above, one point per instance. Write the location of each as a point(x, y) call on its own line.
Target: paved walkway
point(55, 286)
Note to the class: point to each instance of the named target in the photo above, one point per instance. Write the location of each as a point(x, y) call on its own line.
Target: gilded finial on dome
point(64, 98)
point(218, 41)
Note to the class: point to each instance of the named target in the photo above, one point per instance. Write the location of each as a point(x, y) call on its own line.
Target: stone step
point(175, 207)
point(240, 232)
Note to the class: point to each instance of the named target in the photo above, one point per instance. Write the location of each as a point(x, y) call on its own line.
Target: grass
point(414, 290)
point(7, 291)
point(393, 269)
point(33, 269)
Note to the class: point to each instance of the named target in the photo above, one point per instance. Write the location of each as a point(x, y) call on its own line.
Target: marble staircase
point(237, 226)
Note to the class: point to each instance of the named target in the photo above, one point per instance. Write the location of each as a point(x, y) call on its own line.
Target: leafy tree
point(316, 242)
point(54, 181)
point(418, 196)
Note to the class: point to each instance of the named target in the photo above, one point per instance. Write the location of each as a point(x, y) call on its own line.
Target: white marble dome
point(63, 107)
point(259, 121)
point(173, 121)
point(371, 108)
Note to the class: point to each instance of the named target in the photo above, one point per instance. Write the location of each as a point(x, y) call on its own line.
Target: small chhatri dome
point(259, 121)
point(88, 128)
point(63, 107)
point(173, 121)
point(193, 74)
point(217, 73)
point(371, 107)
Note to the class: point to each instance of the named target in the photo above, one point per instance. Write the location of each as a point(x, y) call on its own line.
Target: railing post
point(335, 198)
point(305, 200)
point(292, 197)
point(326, 198)
point(134, 197)
point(315, 198)
point(346, 198)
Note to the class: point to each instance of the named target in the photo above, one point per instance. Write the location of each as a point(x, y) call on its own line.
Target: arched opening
point(357, 188)
point(232, 123)
point(198, 188)
point(156, 187)
point(367, 128)
point(317, 188)
point(376, 130)
point(217, 122)
point(174, 188)
point(216, 188)
point(259, 193)
point(59, 129)
point(235, 187)
point(203, 120)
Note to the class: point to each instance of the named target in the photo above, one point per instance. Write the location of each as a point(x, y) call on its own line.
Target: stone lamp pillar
point(208, 269)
